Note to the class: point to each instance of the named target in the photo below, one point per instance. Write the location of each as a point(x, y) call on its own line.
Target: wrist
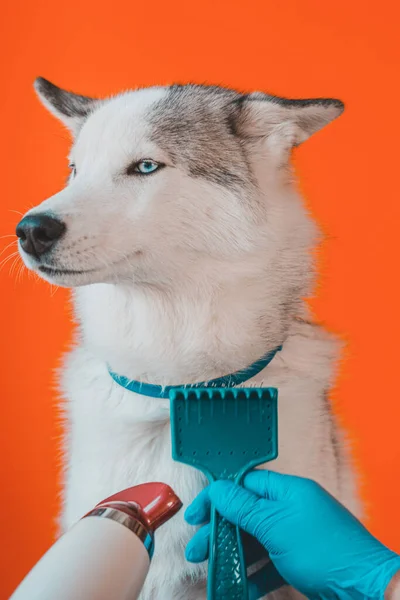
point(392, 591)
point(378, 583)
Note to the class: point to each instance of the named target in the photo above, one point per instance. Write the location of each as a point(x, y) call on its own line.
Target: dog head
point(162, 177)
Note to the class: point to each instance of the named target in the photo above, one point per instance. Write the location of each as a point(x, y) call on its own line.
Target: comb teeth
point(208, 392)
point(205, 400)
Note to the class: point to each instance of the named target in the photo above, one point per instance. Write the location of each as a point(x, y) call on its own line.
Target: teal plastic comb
point(224, 432)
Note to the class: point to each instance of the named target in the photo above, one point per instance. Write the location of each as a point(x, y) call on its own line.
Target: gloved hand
point(314, 543)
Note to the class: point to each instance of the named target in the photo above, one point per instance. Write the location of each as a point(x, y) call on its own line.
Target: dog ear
point(289, 121)
point(70, 108)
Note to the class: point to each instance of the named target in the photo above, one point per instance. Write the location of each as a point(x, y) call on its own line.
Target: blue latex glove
point(314, 543)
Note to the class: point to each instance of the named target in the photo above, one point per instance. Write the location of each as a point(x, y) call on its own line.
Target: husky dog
point(188, 251)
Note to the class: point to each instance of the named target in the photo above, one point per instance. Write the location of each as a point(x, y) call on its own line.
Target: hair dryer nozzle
point(156, 502)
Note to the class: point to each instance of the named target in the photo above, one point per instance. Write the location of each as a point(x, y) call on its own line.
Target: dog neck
point(197, 329)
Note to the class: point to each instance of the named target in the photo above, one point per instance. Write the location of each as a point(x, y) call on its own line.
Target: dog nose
point(38, 233)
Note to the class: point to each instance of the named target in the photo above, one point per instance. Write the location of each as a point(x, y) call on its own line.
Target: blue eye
point(144, 167)
point(147, 166)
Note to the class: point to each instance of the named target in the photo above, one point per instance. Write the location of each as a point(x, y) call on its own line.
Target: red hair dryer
point(107, 554)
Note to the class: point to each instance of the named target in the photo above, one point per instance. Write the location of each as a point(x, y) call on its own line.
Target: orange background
point(299, 48)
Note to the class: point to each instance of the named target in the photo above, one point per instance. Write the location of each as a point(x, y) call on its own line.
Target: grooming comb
point(224, 432)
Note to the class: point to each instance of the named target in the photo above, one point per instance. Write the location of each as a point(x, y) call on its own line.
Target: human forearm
point(393, 589)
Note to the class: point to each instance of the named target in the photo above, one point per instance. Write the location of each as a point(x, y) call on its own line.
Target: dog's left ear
point(70, 108)
point(288, 122)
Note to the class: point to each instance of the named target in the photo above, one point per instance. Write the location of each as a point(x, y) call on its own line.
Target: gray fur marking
point(193, 123)
point(66, 103)
point(333, 433)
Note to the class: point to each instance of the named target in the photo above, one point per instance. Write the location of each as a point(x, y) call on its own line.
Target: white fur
point(187, 281)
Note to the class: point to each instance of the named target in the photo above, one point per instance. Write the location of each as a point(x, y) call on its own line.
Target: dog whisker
point(35, 276)
point(7, 258)
point(15, 263)
point(53, 289)
point(20, 272)
point(8, 245)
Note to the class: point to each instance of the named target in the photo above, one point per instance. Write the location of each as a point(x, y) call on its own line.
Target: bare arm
point(393, 589)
